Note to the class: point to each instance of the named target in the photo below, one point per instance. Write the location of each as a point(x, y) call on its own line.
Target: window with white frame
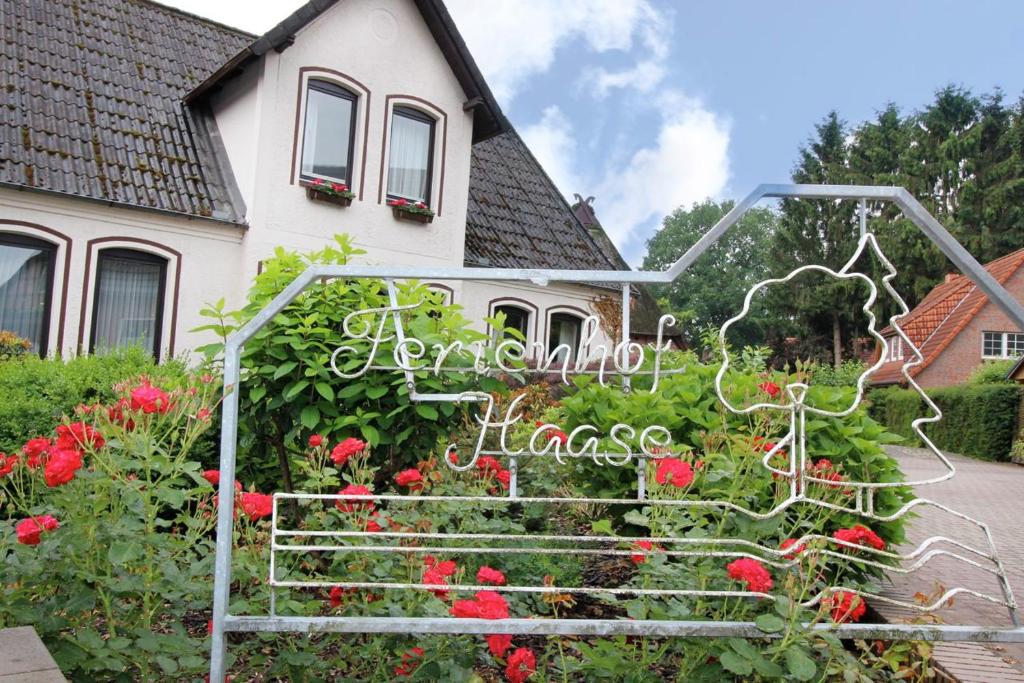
point(26, 285)
point(128, 301)
point(411, 157)
point(328, 132)
point(1002, 344)
point(895, 348)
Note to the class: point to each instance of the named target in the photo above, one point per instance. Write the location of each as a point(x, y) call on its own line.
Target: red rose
point(7, 463)
point(492, 605)
point(317, 181)
point(559, 436)
point(770, 388)
point(487, 605)
point(29, 530)
point(640, 558)
point(337, 595)
point(420, 205)
point(212, 476)
point(795, 552)
point(315, 441)
point(489, 575)
point(411, 478)
point(34, 450)
point(675, 472)
point(498, 644)
point(354, 490)
point(859, 535)
point(150, 399)
point(397, 202)
point(256, 505)
point(116, 414)
point(78, 435)
point(346, 449)
point(373, 526)
point(846, 606)
point(521, 665)
point(466, 609)
point(752, 572)
point(488, 464)
point(339, 187)
point(434, 577)
point(61, 466)
point(410, 662)
point(504, 478)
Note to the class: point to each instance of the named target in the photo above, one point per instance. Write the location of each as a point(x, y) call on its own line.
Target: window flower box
point(333, 193)
point(417, 212)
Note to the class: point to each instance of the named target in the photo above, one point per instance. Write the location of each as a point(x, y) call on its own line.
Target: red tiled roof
point(940, 317)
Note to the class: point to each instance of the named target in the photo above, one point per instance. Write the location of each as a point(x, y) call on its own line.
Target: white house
point(150, 159)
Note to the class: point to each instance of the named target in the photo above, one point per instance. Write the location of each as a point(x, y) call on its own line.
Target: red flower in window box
point(331, 192)
point(403, 209)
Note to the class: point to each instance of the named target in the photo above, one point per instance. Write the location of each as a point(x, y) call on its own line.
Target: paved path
point(989, 492)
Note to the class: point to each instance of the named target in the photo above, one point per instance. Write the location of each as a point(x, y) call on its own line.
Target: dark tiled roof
point(92, 103)
point(517, 218)
point(942, 315)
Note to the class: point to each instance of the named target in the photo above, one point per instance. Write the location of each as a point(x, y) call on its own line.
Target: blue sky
point(650, 104)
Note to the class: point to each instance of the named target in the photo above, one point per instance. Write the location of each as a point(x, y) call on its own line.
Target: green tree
point(823, 233)
point(711, 291)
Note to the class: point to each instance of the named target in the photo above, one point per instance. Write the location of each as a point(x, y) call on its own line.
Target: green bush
point(290, 392)
point(38, 392)
point(978, 420)
point(992, 372)
point(846, 375)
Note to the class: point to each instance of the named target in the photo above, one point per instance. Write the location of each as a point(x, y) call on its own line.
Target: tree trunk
point(286, 470)
point(837, 341)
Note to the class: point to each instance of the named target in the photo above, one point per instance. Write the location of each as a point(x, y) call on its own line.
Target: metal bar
point(626, 290)
point(607, 627)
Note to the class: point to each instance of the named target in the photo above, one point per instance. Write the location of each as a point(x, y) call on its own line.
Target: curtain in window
point(409, 159)
point(127, 303)
point(325, 142)
point(24, 277)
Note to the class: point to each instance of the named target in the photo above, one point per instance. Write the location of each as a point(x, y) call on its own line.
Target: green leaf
point(427, 412)
point(284, 369)
point(602, 527)
point(310, 417)
point(370, 434)
point(122, 552)
point(800, 666)
point(376, 392)
point(770, 623)
point(325, 390)
point(736, 664)
point(257, 393)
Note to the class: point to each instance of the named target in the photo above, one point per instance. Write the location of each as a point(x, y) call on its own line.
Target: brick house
point(957, 328)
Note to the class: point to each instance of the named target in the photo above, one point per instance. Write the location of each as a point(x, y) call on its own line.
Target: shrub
point(992, 372)
point(978, 420)
point(289, 391)
point(38, 392)
point(126, 550)
point(12, 346)
point(845, 375)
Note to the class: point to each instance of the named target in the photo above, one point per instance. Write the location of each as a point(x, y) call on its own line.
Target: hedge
point(979, 420)
point(36, 392)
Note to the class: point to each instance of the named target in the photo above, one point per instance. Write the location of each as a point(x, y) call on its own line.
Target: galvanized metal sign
point(631, 446)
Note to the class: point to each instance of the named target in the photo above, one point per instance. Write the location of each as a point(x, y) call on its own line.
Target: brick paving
point(994, 494)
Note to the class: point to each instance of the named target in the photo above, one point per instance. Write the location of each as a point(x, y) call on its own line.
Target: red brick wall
point(955, 364)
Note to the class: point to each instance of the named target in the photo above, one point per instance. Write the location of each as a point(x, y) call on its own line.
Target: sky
point(649, 105)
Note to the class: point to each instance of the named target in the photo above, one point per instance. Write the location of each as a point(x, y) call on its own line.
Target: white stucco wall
point(383, 51)
point(79, 229)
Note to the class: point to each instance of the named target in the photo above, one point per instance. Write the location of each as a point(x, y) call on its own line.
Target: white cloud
point(644, 77)
point(513, 41)
point(688, 162)
point(551, 140)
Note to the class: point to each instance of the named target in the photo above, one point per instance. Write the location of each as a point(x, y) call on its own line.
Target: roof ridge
point(197, 17)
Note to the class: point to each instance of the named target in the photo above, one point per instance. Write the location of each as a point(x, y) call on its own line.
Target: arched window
point(329, 131)
point(516, 318)
point(411, 158)
point(128, 300)
point(26, 286)
point(564, 328)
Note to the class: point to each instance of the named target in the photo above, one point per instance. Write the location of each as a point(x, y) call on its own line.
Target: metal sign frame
point(793, 402)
